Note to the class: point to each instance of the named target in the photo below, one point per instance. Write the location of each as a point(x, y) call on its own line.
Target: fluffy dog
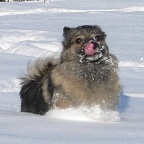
point(85, 75)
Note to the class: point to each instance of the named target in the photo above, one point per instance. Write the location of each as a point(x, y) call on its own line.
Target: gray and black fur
point(37, 87)
point(86, 74)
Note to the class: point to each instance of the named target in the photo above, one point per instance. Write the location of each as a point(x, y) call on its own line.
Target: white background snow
point(29, 30)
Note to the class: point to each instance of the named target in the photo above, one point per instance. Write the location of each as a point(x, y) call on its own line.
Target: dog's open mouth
point(91, 52)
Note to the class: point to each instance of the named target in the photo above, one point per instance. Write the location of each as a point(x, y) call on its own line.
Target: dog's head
point(84, 42)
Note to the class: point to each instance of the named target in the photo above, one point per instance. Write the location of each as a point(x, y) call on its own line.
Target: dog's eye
point(98, 38)
point(78, 40)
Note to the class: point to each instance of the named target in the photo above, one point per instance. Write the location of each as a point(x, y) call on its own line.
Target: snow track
point(8, 85)
point(22, 42)
point(131, 64)
point(62, 10)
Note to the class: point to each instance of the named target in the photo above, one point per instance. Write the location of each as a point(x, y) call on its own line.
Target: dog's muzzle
point(92, 51)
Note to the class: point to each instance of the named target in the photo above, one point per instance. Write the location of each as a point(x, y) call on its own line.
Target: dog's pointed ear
point(66, 30)
point(104, 35)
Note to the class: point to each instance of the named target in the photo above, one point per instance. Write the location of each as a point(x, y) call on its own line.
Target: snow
point(29, 30)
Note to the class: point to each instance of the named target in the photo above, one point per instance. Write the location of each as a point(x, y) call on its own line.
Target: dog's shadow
point(123, 103)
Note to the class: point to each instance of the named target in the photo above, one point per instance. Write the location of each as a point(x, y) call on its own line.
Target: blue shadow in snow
point(123, 103)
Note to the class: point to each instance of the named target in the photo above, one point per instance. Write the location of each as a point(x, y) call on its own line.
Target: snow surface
point(29, 30)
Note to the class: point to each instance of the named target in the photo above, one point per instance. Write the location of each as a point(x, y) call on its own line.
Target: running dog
point(85, 75)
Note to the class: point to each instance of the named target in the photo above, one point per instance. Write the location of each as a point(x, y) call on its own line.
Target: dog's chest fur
point(84, 72)
point(82, 83)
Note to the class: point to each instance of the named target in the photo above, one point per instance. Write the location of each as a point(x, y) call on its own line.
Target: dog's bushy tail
point(37, 87)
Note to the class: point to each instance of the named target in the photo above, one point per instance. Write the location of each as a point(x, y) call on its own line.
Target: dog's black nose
point(96, 45)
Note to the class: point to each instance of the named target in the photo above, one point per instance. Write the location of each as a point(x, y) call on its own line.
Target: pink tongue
point(89, 49)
